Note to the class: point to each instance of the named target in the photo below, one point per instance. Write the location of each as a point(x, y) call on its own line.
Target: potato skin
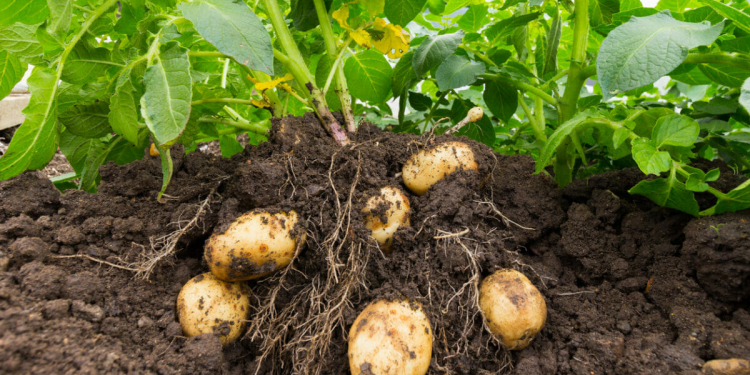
point(396, 215)
point(513, 306)
point(390, 338)
point(255, 245)
point(732, 366)
point(206, 305)
point(427, 167)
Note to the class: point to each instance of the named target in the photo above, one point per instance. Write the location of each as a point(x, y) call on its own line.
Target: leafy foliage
point(583, 87)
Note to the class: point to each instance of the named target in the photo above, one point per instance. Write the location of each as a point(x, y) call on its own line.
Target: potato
point(255, 245)
point(513, 306)
point(427, 167)
point(733, 366)
point(393, 206)
point(206, 305)
point(390, 337)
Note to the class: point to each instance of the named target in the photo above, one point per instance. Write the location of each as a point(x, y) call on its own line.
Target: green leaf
point(123, 112)
point(304, 16)
point(673, 5)
point(695, 182)
point(480, 131)
point(11, 72)
point(233, 29)
point(626, 5)
point(76, 149)
point(229, 145)
point(35, 142)
point(675, 130)
point(61, 12)
point(740, 19)
point(601, 11)
point(717, 106)
point(501, 30)
point(745, 95)
point(90, 121)
point(473, 19)
point(690, 74)
point(649, 159)
point(501, 99)
point(725, 75)
point(559, 136)
point(24, 11)
point(419, 101)
point(401, 12)
point(644, 49)
point(132, 13)
point(741, 45)
point(668, 192)
point(434, 50)
point(553, 42)
point(86, 155)
point(370, 74)
point(620, 136)
point(86, 64)
point(166, 103)
point(457, 71)
point(19, 40)
point(736, 200)
point(436, 7)
point(403, 73)
point(322, 72)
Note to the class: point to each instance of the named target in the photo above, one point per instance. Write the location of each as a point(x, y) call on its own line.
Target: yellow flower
point(263, 86)
point(394, 41)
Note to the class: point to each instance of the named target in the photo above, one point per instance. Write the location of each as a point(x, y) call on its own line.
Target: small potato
point(427, 167)
point(733, 366)
point(386, 212)
point(390, 338)
point(206, 305)
point(255, 245)
point(513, 306)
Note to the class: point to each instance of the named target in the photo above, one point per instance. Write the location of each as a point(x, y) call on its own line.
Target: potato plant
point(582, 86)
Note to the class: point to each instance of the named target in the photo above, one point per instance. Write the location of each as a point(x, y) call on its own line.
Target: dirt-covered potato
point(427, 167)
point(386, 212)
point(513, 306)
point(390, 337)
point(206, 305)
point(732, 366)
point(255, 245)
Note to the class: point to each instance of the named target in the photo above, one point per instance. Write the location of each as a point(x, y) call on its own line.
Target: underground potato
point(427, 167)
point(513, 306)
point(207, 305)
point(386, 212)
point(389, 338)
point(254, 245)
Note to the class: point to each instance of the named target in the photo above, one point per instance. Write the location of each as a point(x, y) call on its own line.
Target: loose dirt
point(630, 287)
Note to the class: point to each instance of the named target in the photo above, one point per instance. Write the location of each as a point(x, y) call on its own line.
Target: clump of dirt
point(630, 287)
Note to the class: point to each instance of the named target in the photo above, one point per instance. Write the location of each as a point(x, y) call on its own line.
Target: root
point(502, 217)
point(466, 300)
point(164, 247)
point(305, 327)
point(160, 249)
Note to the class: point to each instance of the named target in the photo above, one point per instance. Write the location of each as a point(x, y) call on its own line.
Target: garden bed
point(630, 287)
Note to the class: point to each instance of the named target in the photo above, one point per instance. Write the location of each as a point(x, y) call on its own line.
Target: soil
point(630, 287)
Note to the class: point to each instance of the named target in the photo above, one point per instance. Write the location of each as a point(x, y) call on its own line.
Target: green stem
point(342, 89)
point(686, 175)
point(294, 62)
point(224, 73)
point(480, 55)
point(258, 127)
point(335, 65)
point(522, 86)
point(223, 100)
point(721, 58)
point(557, 76)
point(538, 131)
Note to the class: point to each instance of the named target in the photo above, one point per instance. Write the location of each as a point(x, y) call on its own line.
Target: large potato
point(386, 212)
point(732, 366)
point(255, 245)
point(206, 305)
point(390, 338)
point(427, 167)
point(513, 306)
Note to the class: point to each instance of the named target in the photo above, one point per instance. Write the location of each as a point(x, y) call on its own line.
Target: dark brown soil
point(631, 288)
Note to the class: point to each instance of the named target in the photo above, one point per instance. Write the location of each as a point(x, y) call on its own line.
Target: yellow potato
point(393, 206)
point(390, 338)
point(206, 305)
point(733, 366)
point(427, 167)
point(255, 245)
point(513, 306)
